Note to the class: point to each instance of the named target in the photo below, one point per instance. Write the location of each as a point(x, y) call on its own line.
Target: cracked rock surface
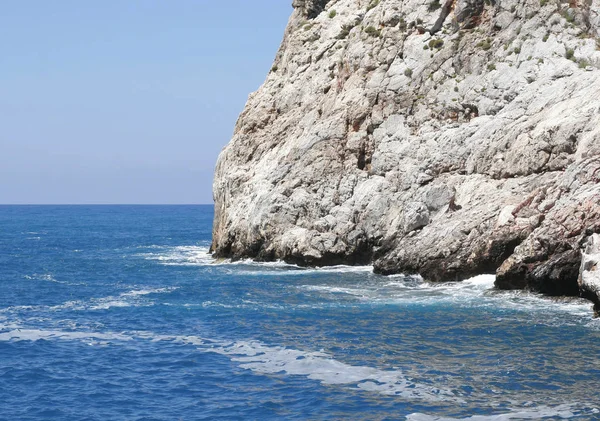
point(472, 150)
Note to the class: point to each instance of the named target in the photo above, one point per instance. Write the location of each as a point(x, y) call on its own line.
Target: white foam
point(127, 299)
point(43, 277)
point(564, 411)
point(200, 256)
point(357, 292)
point(50, 278)
point(472, 287)
point(18, 308)
point(133, 298)
point(478, 291)
point(34, 335)
point(410, 290)
point(139, 292)
point(264, 359)
point(105, 305)
point(276, 264)
point(181, 256)
point(481, 281)
point(284, 269)
point(97, 304)
point(321, 366)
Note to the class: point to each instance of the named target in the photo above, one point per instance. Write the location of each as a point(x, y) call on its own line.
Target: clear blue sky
point(131, 101)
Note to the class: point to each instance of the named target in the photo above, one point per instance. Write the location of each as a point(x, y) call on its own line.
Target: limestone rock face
point(471, 150)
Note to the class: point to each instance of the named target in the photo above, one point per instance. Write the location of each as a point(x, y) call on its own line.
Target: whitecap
point(481, 281)
point(201, 256)
point(181, 256)
point(105, 305)
point(42, 277)
point(140, 292)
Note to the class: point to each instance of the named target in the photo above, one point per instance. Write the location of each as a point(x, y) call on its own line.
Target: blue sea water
point(119, 313)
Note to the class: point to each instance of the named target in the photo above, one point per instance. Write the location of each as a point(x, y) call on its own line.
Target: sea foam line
point(319, 366)
point(200, 256)
point(262, 359)
point(474, 292)
point(133, 298)
point(33, 335)
point(564, 411)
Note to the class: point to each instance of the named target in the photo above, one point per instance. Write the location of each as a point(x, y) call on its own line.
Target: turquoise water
point(118, 313)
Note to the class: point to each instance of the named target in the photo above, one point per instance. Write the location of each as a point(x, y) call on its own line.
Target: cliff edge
point(442, 138)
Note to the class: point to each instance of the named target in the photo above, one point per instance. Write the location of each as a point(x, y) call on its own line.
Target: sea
point(120, 313)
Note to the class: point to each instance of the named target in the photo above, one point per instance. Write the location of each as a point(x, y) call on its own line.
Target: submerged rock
point(473, 150)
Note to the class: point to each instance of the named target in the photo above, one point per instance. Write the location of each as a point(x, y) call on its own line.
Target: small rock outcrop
point(589, 278)
point(310, 8)
point(442, 138)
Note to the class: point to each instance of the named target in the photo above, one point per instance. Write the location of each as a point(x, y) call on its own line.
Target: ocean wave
point(200, 256)
point(180, 255)
point(258, 269)
point(409, 289)
point(478, 291)
point(132, 298)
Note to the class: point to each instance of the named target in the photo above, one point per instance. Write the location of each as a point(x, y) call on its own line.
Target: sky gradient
point(126, 101)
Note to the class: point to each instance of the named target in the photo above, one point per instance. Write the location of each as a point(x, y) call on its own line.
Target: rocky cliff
point(442, 138)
